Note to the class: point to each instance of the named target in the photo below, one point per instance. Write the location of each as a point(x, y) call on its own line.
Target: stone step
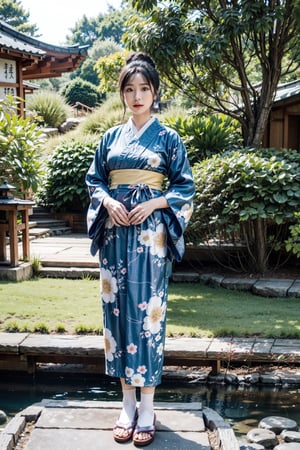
point(47, 222)
point(38, 232)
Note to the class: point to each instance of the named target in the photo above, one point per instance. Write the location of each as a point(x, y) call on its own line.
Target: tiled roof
point(42, 60)
point(287, 90)
point(12, 39)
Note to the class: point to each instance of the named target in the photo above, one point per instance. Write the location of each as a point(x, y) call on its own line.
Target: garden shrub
point(49, 107)
point(79, 90)
point(64, 188)
point(205, 136)
point(292, 244)
point(20, 144)
point(248, 196)
point(109, 114)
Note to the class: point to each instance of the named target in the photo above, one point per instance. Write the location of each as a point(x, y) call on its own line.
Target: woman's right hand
point(116, 211)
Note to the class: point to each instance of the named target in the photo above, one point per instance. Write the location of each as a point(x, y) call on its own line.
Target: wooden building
point(24, 58)
point(284, 122)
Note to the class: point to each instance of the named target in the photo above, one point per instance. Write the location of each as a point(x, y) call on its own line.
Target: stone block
point(272, 287)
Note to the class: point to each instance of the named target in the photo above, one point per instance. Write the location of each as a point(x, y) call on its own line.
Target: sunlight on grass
point(194, 310)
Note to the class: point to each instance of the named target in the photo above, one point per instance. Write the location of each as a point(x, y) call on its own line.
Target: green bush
point(79, 90)
point(109, 114)
point(292, 244)
point(49, 107)
point(248, 197)
point(205, 136)
point(64, 188)
point(20, 144)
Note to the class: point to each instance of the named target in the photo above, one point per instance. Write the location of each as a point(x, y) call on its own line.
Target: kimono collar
point(138, 133)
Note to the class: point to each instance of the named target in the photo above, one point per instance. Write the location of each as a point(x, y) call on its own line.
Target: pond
point(242, 406)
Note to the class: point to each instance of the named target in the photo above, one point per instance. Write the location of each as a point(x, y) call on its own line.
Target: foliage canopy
point(215, 51)
point(13, 13)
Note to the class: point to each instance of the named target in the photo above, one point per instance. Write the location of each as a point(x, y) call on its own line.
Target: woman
point(138, 228)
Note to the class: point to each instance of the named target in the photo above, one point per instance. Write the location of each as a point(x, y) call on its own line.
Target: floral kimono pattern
point(135, 261)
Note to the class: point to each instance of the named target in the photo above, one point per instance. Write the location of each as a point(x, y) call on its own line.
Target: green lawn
point(73, 306)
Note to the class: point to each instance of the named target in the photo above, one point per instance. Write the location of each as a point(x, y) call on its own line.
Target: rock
point(69, 124)
point(294, 290)
point(240, 284)
point(252, 378)
point(263, 437)
point(289, 378)
point(48, 132)
point(272, 288)
point(231, 378)
point(3, 417)
point(270, 378)
point(251, 446)
point(289, 446)
point(216, 280)
point(277, 424)
point(185, 277)
point(290, 436)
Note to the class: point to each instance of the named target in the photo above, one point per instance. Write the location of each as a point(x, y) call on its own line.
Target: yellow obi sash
point(136, 176)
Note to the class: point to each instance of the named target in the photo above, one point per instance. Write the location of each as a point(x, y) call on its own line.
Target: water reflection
point(243, 406)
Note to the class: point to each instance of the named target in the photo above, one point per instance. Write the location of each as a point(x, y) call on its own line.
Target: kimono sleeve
point(97, 183)
point(179, 196)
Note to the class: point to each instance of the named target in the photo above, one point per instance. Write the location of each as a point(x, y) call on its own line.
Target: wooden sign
point(8, 71)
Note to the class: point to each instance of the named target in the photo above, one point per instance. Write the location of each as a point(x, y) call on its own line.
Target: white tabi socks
point(146, 410)
point(129, 406)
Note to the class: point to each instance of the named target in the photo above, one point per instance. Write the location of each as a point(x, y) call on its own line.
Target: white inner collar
point(139, 132)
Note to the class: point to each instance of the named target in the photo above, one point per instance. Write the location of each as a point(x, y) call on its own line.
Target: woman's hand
point(143, 210)
point(116, 211)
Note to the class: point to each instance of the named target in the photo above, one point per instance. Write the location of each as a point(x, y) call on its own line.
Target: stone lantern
point(6, 191)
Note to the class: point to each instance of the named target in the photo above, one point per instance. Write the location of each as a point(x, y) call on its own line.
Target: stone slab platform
point(53, 425)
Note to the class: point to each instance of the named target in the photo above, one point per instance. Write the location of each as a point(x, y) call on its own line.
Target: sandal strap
point(128, 425)
point(123, 426)
point(148, 429)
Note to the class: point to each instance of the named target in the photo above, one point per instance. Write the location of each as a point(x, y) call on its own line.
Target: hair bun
point(140, 57)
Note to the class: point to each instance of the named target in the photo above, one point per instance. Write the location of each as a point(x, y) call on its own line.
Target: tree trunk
point(260, 245)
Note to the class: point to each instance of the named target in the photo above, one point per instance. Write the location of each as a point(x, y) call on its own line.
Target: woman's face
point(138, 95)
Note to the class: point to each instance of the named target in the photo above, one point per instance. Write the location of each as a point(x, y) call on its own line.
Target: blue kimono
point(135, 260)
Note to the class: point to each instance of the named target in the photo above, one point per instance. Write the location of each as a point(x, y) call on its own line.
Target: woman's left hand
point(140, 213)
point(143, 210)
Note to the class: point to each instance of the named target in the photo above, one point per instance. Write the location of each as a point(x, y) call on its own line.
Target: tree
point(215, 51)
point(79, 90)
point(99, 49)
point(108, 69)
point(21, 142)
point(105, 26)
point(13, 13)
point(113, 25)
point(84, 31)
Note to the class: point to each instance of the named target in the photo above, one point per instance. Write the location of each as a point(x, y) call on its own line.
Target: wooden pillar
point(13, 237)
point(25, 234)
point(3, 229)
point(20, 87)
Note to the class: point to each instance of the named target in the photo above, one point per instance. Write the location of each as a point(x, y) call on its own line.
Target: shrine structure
point(24, 58)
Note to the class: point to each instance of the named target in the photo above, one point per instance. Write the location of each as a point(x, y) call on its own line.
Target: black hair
point(142, 63)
